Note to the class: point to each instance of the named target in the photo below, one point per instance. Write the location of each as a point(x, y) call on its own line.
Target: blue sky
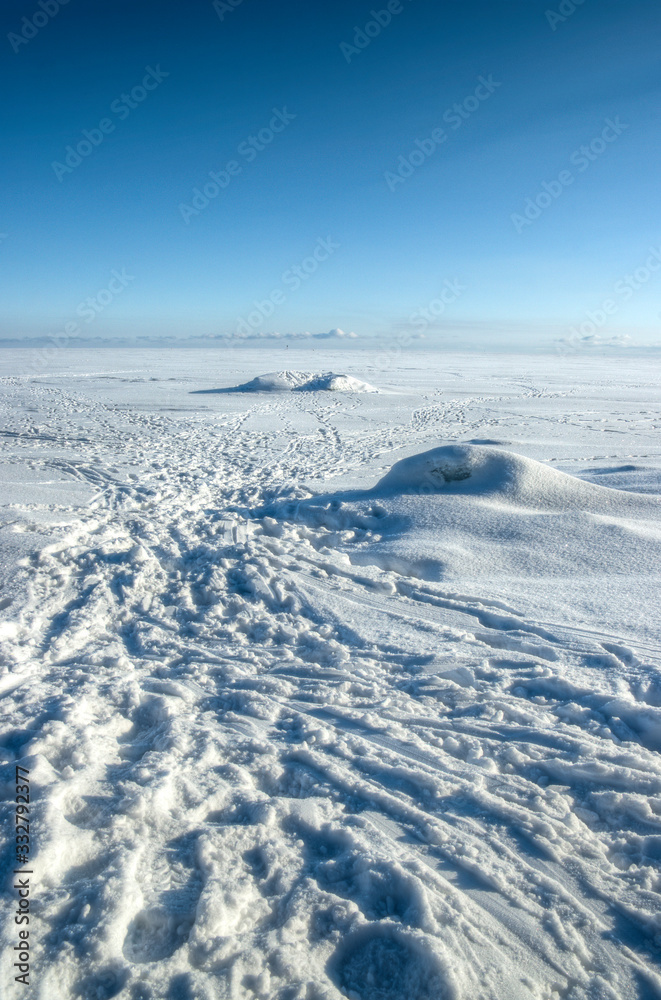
point(412, 148)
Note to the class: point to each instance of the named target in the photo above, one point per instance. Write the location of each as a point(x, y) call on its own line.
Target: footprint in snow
point(381, 963)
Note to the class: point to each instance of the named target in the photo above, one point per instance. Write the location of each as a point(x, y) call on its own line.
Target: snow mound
point(471, 513)
point(292, 381)
point(497, 474)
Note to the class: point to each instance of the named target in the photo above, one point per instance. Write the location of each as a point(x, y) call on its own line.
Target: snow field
point(322, 696)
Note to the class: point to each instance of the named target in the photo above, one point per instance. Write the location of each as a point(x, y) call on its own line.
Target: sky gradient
point(415, 171)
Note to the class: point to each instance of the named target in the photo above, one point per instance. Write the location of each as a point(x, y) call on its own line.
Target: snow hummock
point(477, 514)
point(486, 471)
point(294, 381)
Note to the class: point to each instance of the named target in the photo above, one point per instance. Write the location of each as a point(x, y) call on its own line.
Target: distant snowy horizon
point(554, 343)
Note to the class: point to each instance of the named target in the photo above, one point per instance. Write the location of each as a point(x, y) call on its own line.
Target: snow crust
point(324, 697)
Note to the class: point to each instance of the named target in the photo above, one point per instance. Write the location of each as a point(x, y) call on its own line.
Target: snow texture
point(333, 695)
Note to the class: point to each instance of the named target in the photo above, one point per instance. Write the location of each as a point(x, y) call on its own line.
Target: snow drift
point(493, 472)
point(472, 512)
point(294, 381)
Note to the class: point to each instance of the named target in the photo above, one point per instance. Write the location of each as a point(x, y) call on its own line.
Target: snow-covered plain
point(334, 694)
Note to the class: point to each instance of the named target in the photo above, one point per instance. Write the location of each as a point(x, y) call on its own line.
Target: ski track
point(260, 770)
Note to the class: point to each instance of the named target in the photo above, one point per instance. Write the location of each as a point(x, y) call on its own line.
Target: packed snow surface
point(292, 381)
point(332, 696)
